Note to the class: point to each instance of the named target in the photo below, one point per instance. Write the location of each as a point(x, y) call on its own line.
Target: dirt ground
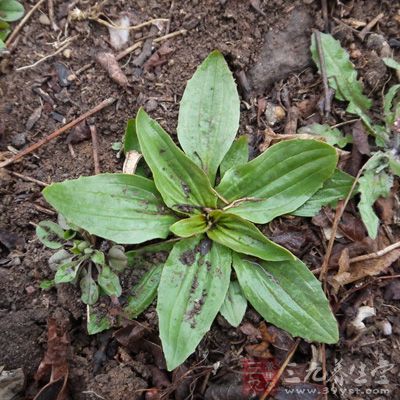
point(266, 45)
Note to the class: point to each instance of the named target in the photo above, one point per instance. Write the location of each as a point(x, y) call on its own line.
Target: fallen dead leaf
point(360, 138)
point(54, 360)
point(362, 269)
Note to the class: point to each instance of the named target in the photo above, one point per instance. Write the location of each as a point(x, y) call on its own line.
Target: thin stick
point(58, 132)
point(95, 145)
point(369, 26)
point(376, 254)
point(277, 376)
point(46, 57)
point(23, 22)
point(28, 178)
point(321, 56)
point(136, 45)
point(338, 215)
point(50, 7)
point(324, 6)
point(129, 28)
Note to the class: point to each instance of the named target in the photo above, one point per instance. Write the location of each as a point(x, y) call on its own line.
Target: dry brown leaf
point(55, 360)
point(110, 64)
point(362, 269)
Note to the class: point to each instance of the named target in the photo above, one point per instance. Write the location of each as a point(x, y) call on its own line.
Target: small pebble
point(386, 327)
point(19, 140)
point(151, 105)
point(44, 19)
point(67, 53)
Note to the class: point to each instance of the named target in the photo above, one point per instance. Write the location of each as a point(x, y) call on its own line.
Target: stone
point(284, 52)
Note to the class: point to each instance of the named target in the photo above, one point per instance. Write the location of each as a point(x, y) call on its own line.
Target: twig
point(277, 376)
point(23, 22)
point(338, 215)
point(321, 56)
point(324, 6)
point(58, 132)
point(50, 6)
point(44, 209)
point(376, 254)
point(95, 145)
point(135, 46)
point(364, 31)
point(46, 57)
point(130, 28)
point(28, 178)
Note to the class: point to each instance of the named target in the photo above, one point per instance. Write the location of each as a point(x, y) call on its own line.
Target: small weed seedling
point(377, 174)
point(78, 261)
point(209, 196)
point(10, 10)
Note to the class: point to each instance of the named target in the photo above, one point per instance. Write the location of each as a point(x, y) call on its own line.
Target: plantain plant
point(205, 200)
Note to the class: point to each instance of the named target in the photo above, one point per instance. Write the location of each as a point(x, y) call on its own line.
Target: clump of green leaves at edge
point(377, 174)
point(206, 200)
point(78, 260)
point(10, 11)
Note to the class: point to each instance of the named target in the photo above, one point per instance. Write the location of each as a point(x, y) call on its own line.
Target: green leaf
point(117, 259)
point(89, 288)
point(182, 184)
point(11, 10)
point(193, 286)
point(147, 256)
point(237, 155)
point(372, 185)
point(96, 323)
point(333, 136)
point(109, 282)
point(190, 226)
point(390, 116)
point(289, 296)
point(394, 164)
point(335, 188)
point(235, 304)
point(119, 207)
point(98, 257)
point(131, 141)
point(67, 272)
point(59, 258)
point(342, 76)
point(144, 292)
point(280, 180)
point(242, 236)
point(4, 32)
point(209, 114)
point(391, 63)
point(50, 234)
point(46, 284)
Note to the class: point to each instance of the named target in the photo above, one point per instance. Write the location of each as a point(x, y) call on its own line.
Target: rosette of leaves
point(77, 261)
point(10, 10)
point(209, 196)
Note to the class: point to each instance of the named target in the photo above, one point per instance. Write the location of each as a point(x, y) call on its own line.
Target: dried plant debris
point(119, 36)
point(110, 64)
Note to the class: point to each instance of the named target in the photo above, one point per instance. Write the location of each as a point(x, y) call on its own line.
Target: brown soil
point(238, 29)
